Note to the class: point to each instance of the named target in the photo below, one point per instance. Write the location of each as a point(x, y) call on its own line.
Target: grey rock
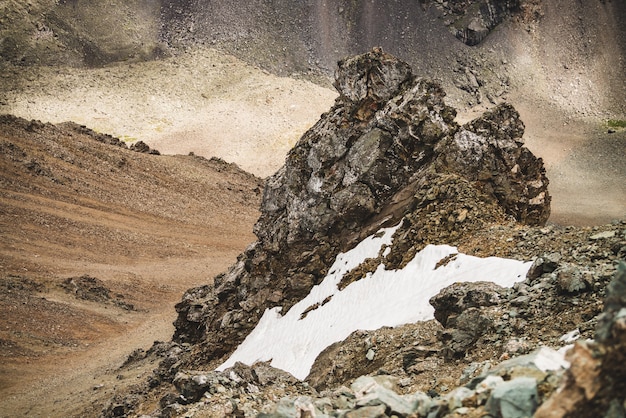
point(616, 410)
point(542, 359)
point(614, 305)
point(458, 297)
point(455, 398)
point(374, 76)
point(417, 354)
point(192, 386)
point(546, 263)
point(517, 398)
point(377, 411)
point(468, 327)
point(370, 392)
point(602, 235)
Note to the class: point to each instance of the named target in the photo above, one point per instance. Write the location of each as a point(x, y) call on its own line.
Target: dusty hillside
point(97, 243)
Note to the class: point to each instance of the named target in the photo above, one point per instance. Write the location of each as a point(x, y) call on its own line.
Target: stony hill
point(152, 70)
point(389, 154)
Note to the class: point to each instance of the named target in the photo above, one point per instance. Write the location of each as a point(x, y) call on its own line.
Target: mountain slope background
point(242, 83)
point(97, 244)
point(561, 64)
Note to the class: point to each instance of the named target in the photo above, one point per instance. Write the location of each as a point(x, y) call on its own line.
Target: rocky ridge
point(389, 152)
point(389, 135)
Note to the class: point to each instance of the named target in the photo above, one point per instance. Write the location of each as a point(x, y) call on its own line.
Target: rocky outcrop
point(388, 150)
point(472, 20)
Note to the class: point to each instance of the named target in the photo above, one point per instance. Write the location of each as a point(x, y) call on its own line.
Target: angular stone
point(602, 235)
point(517, 398)
point(377, 411)
point(375, 76)
point(369, 392)
point(570, 279)
point(194, 386)
point(469, 326)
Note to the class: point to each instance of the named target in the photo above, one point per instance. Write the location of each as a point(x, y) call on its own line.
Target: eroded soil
point(97, 244)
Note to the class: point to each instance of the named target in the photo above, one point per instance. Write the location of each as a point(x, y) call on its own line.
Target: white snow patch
point(384, 298)
point(570, 337)
point(548, 359)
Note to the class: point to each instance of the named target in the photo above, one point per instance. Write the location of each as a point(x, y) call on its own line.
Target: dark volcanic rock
point(388, 150)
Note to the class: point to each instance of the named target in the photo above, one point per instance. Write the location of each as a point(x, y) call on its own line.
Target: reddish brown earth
point(147, 227)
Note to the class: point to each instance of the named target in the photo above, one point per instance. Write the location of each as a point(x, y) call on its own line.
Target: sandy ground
point(201, 101)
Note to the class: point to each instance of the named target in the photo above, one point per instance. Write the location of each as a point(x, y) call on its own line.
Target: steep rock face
point(489, 152)
point(388, 148)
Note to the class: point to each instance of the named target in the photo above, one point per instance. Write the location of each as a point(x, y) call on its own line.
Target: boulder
point(458, 297)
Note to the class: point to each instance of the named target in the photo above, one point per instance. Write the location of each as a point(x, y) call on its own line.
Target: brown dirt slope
point(97, 242)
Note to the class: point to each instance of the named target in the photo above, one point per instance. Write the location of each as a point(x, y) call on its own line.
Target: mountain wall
point(480, 49)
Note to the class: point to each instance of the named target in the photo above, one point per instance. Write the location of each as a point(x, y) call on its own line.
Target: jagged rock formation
point(389, 147)
point(389, 153)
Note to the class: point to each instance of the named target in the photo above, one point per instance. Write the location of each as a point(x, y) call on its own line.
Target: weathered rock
point(571, 279)
point(193, 386)
point(473, 20)
point(387, 150)
point(458, 297)
point(374, 77)
point(377, 411)
point(512, 173)
point(595, 384)
point(467, 328)
point(546, 263)
point(371, 391)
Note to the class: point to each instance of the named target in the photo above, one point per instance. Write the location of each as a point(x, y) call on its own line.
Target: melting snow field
point(383, 298)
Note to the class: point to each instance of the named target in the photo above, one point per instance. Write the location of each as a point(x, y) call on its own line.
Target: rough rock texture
point(410, 365)
point(472, 20)
point(388, 148)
